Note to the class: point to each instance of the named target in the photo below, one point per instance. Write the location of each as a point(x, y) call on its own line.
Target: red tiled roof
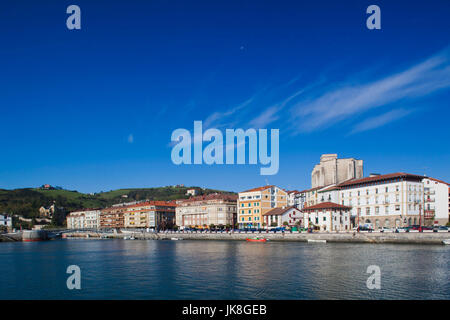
point(380, 178)
point(257, 189)
point(154, 203)
point(326, 205)
point(278, 211)
point(212, 196)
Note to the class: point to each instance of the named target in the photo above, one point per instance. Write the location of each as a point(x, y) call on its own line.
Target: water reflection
point(117, 269)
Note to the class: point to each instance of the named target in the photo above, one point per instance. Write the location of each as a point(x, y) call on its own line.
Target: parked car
point(385, 229)
point(441, 228)
point(364, 228)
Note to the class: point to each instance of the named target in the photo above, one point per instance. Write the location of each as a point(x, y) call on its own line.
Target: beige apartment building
point(150, 214)
point(254, 203)
point(205, 210)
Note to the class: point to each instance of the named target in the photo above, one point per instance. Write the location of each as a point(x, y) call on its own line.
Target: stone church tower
point(332, 170)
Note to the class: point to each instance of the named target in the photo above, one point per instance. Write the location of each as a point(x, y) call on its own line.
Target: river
point(189, 269)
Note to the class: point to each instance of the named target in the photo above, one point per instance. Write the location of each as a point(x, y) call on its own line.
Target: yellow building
point(253, 203)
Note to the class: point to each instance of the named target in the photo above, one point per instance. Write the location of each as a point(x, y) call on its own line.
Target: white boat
point(316, 241)
point(446, 241)
point(176, 239)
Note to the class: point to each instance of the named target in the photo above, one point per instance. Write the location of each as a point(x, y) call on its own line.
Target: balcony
point(429, 214)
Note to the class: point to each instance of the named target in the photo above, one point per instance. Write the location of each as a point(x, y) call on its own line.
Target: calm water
point(118, 269)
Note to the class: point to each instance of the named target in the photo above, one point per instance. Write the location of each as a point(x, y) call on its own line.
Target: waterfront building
point(5, 220)
point(84, 219)
point(253, 203)
point(150, 214)
point(436, 201)
point(217, 209)
point(389, 200)
point(279, 217)
point(332, 170)
point(75, 220)
point(113, 217)
point(327, 216)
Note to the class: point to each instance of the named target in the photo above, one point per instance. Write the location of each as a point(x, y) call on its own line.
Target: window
point(377, 210)
point(397, 208)
point(368, 210)
point(386, 189)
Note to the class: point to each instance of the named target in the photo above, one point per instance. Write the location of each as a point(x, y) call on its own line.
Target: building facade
point(390, 200)
point(332, 170)
point(113, 218)
point(327, 216)
point(436, 201)
point(284, 216)
point(212, 209)
point(75, 220)
point(253, 203)
point(150, 214)
point(296, 199)
point(5, 220)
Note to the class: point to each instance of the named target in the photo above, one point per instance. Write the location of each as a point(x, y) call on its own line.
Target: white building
point(327, 216)
point(296, 199)
point(192, 192)
point(390, 200)
point(6, 221)
point(278, 216)
point(436, 201)
point(84, 219)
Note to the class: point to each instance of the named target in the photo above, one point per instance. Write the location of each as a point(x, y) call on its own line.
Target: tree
point(212, 226)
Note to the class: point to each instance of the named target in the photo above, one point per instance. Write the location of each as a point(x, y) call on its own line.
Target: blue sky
point(94, 109)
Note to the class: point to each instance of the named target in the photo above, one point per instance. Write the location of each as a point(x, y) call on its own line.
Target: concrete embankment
point(10, 237)
point(345, 237)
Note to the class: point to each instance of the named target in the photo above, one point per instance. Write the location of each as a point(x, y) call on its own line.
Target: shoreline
point(344, 237)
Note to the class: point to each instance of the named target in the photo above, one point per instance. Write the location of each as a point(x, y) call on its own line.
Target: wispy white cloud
point(217, 119)
point(347, 100)
point(380, 120)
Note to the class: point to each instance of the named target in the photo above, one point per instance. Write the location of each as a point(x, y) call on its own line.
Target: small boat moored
point(316, 241)
point(446, 241)
point(256, 239)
